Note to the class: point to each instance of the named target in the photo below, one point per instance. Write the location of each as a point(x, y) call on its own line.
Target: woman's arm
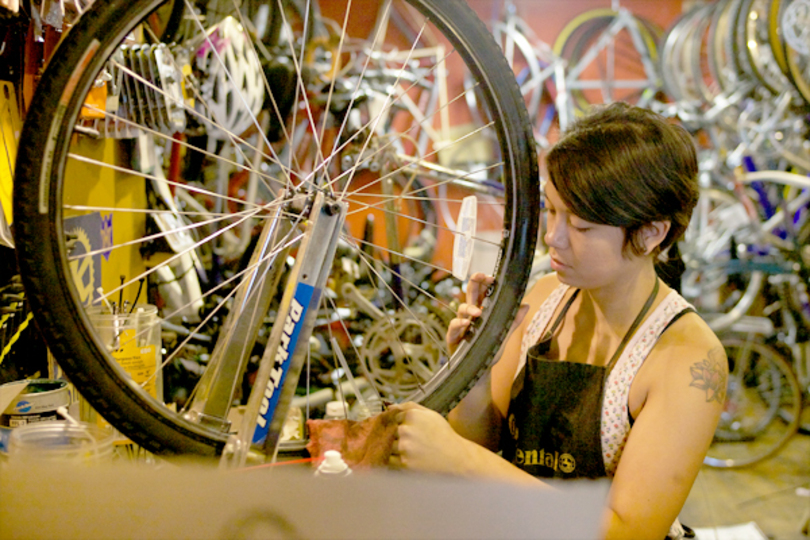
point(685, 380)
point(426, 442)
point(473, 428)
point(479, 415)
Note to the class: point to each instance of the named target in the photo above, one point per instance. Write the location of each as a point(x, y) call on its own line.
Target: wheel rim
point(761, 390)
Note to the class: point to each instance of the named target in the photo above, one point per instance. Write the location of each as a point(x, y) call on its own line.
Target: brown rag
point(362, 444)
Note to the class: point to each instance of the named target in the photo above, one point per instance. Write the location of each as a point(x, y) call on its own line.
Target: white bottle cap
point(333, 464)
point(336, 409)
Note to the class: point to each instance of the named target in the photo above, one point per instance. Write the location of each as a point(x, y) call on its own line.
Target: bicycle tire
point(527, 58)
point(582, 33)
point(735, 41)
point(721, 61)
point(698, 57)
point(775, 9)
point(762, 59)
point(678, 74)
point(43, 188)
point(751, 428)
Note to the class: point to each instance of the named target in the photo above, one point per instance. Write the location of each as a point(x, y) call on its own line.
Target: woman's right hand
point(477, 288)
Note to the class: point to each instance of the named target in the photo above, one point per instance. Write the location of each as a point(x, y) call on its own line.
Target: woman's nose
point(555, 233)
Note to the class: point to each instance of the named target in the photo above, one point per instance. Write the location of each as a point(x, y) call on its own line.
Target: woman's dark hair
point(627, 167)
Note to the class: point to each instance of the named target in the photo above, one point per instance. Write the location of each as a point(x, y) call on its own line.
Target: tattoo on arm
point(710, 375)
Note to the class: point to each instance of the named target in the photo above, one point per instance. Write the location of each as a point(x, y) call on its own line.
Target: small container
point(367, 409)
point(336, 410)
point(133, 339)
point(36, 403)
point(61, 442)
point(333, 465)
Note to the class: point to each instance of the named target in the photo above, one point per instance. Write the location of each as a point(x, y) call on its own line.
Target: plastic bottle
point(367, 409)
point(336, 410)
point(333, 465)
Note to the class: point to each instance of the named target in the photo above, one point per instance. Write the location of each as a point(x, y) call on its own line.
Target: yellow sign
point(140, 362)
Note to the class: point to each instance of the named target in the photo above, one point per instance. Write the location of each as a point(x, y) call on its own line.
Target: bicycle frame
point(623, 20)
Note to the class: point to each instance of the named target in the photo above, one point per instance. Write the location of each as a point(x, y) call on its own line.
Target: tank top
point(615, 421)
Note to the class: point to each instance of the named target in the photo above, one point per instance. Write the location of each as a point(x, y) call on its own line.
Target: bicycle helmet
point(232, 88)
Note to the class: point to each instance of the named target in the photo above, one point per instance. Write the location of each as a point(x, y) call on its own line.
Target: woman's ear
point(655, 233)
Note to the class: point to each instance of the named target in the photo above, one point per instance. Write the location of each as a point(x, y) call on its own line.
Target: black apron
point(554, 419)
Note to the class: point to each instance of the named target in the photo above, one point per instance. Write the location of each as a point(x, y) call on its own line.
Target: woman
point(605, 345)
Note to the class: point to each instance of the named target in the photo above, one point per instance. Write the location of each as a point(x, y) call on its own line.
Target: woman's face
point(585, 255)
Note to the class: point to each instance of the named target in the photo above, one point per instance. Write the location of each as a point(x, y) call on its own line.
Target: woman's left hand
point(425, 441)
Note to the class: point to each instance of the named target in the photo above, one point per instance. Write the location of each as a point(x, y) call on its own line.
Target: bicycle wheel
point(721, 58)
point(761, 386)
point(720, 281)
point(755, 28)
point(684, 64)
point(611, 56)
point(796, 50)
point(122, 172)
point(676, 74)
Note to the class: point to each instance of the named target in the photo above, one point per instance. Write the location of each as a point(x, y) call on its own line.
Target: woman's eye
point(580, 226)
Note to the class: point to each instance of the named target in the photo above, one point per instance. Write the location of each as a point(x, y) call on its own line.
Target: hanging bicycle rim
point(762, 391)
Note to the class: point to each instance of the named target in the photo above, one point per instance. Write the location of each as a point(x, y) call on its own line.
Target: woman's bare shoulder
point(689, 352)
point(689, 332)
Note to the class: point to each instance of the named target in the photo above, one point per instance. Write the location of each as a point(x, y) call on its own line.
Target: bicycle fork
point(288, 345)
